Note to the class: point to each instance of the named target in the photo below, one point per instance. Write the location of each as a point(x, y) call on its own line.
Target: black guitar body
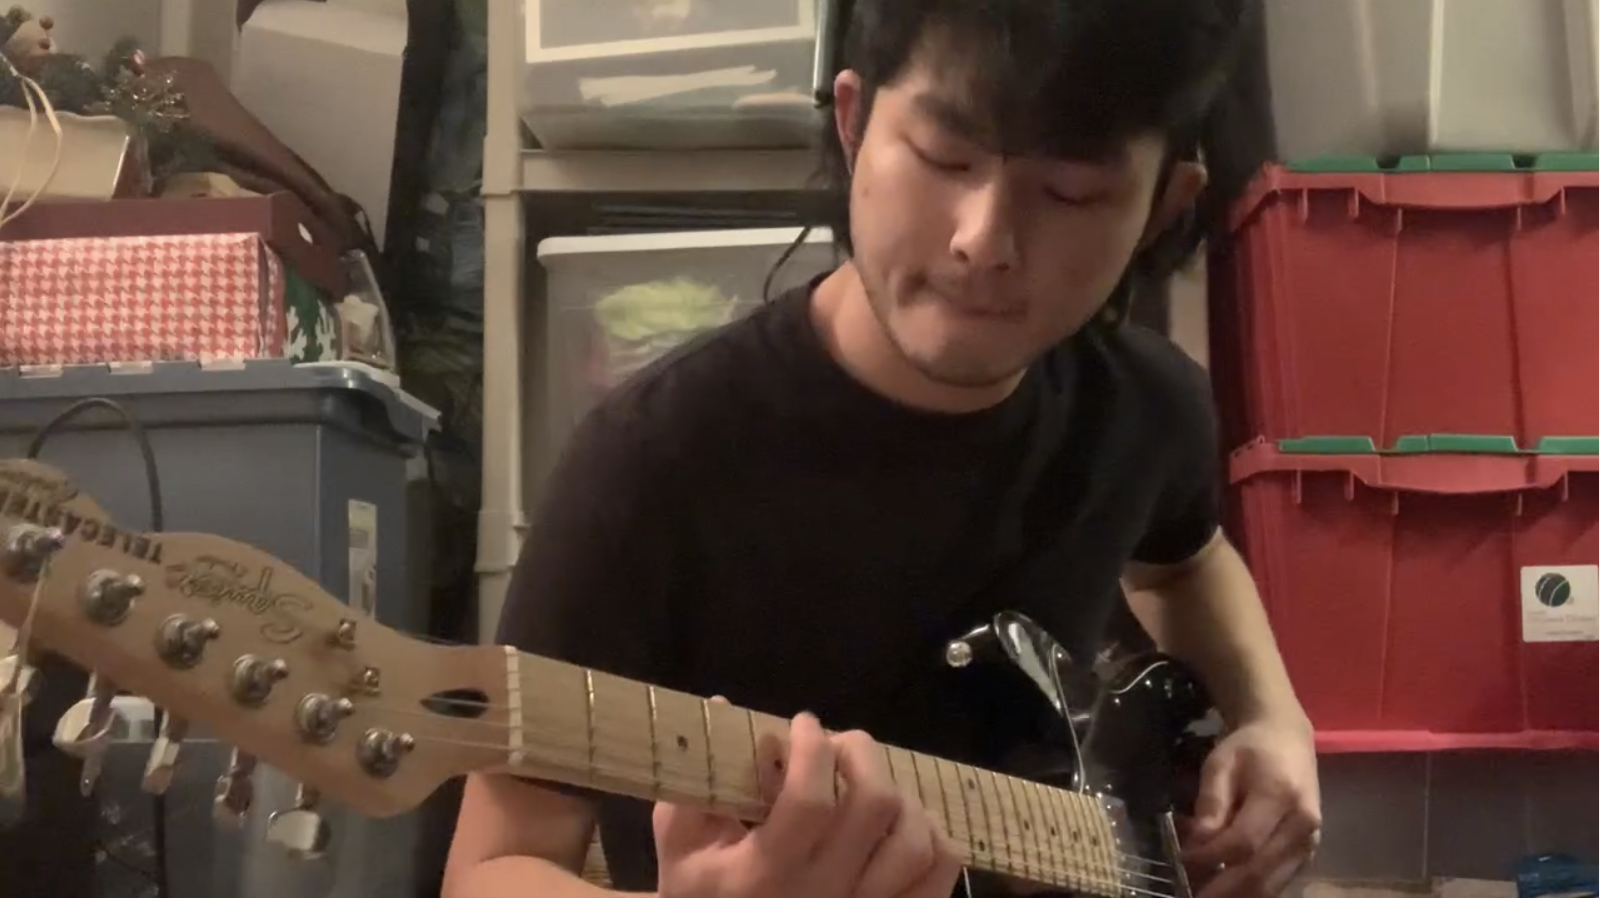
point(1135, 730)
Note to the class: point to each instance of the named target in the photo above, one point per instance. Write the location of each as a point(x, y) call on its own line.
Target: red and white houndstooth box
point(199, 298)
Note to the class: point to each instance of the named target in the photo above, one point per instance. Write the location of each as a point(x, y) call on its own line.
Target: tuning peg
point(26, 547)
point(300, 831)
point(108, 596)
point(235, 790)
point(164, 755)
point(84, 731)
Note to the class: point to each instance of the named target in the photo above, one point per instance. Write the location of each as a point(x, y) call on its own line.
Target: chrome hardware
point(318, 717)
point(181, 641)
point(380, 751)
point(253, 679)
point(108, 596)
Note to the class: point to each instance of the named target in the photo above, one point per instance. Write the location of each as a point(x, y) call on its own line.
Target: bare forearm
point(1210, 615)
point(523, 877)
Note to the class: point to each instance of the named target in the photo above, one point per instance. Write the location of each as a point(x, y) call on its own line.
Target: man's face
point(976, 263)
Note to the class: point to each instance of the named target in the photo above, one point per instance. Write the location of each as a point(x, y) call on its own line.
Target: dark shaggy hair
point(1070, 78)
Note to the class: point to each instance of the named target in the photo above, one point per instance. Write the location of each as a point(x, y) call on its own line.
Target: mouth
point(987, 311)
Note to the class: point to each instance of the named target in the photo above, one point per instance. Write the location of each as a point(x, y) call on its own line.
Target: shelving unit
point(516, 182)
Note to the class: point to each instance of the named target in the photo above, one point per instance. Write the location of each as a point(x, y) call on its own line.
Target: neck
point(843, 316)
point(590, 729)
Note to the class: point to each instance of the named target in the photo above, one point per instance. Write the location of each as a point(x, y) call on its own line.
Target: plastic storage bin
point(618, 303)
point(307, 462)
point(1399, 77)
point(1430, 600)
point(1395, 303)
point(674, 74)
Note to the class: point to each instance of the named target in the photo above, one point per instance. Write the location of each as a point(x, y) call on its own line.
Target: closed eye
point(939, 162)
point(1075, 200)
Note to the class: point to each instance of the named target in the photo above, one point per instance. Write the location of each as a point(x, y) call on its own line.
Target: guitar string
point(1123, 869)
point(560, 745)
point(475, 705)
point(20, 647)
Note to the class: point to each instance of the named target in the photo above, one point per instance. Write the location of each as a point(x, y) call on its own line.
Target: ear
point(1184, 184)
point(847, 114)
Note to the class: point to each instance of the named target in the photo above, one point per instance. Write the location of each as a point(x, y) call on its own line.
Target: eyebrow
point(960, 119)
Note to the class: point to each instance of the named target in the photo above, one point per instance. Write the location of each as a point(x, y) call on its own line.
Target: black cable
point(158, 827)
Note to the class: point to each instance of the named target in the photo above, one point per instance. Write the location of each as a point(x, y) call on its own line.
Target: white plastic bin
point(618, 303)
point(674, 74)
point(1402, 77)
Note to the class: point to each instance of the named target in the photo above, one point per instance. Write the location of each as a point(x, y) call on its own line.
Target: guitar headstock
point(229, 638)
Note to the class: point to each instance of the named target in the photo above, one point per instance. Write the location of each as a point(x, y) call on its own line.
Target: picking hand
point(870, 840)
point(1258, 817)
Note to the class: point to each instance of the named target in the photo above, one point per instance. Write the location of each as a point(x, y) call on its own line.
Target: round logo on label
point(1553, 590)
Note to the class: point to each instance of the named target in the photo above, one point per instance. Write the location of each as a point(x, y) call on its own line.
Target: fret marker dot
point(972, 784)
point(683, 743)
point(1077, 836)
point(1052, 831)
point(982, 846)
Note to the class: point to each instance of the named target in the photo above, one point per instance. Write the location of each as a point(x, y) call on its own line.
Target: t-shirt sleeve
point(594, 580)
point(1189, 511)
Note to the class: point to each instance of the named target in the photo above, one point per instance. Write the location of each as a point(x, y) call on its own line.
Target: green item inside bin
point(1438, 443)
point(642, 312)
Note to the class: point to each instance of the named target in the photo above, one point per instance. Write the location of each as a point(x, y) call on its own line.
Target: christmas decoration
point(119, 86)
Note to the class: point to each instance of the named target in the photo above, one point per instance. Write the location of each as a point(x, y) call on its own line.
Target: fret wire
point(973, 784)
point(755, 755)
point(888, 760)
point(655, 742)
point(1070, 809)
point(1019, 849)
point(711, 765)
point(1038, 872)
point(1058, 836)
point(939, 768)
point(593, 747)
point(922, 797)
point(1046, 847)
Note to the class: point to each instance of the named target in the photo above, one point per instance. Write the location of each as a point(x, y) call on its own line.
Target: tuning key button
point(163, 760)
point(108, 596)
point(181, 641)
point(84, 730)
point(235, 790)
point(318, 716)
point(380, 751)
point(26, 547)
point(300, 831)
point(253, 679)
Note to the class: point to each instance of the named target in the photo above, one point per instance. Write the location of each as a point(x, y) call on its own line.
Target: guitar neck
point(591, 729)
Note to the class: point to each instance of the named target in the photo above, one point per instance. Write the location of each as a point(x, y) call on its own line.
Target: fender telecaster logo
point(44, 503)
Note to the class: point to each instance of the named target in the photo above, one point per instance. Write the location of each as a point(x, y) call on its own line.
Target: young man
point(796, 512)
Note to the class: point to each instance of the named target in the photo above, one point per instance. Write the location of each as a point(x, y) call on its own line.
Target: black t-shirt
point(745, 519)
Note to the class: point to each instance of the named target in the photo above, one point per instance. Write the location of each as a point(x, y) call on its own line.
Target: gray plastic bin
point(284, 458)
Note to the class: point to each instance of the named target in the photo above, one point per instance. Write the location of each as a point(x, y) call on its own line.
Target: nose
point(985, 236)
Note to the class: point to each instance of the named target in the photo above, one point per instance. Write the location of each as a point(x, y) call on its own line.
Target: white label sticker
point(1561, 603)
point(363, 595)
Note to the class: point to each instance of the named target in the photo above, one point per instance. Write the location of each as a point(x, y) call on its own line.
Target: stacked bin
point(1405, 361)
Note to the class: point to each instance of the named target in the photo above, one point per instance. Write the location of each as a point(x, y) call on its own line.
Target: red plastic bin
point(1396, 587)
point(1391, 304)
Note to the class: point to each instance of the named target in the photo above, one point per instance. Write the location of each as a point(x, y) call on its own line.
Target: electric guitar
point(221, 634)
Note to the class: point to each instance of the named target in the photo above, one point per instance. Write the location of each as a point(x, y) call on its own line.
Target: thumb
point(682, 829)
point(1217, 796)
